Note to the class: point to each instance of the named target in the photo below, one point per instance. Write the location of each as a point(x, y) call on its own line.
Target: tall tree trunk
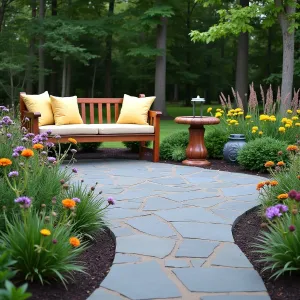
point(94, 79)
point(69, 78)
point(288, 39)
point(241, 77)
point(31, 59)
point(188, 53)
point(54, 64)
point(161, 65)
point(108, 56)
point(2, 12)
point(64, 75)
point(41, 50)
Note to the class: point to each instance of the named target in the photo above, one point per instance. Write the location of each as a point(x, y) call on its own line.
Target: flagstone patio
point(173, 231)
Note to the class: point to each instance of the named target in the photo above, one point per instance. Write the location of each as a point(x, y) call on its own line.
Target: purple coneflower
point(25, 201)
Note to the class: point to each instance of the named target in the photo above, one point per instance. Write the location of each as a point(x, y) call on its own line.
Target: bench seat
point(95, 129)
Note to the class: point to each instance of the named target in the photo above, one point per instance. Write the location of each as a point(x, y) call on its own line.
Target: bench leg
point(156, 151)
point(142, 150)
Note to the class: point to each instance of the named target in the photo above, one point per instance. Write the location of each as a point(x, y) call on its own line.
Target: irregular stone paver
point(230, 255)
point(196, 248)
point(176, 263)
point(173, 231)
point(151, 225)
point(141, 281)
point(217, 280)
point(145, 245)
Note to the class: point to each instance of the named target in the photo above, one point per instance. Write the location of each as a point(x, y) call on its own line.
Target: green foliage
point(135, 146)
point(174, 143)
point(90, 212)
point(215, 141)
point(13, 293)
point(40, 257)
point(178, 154)
point(256, 153)
point(279, 246)
point(89, 147)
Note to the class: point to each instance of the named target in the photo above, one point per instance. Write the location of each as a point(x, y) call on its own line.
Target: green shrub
point(256, 153)
point(89, 147)
point(215, 141)
point(178, 154)
point(134, 146)
point(39, 256)
point(176, 142)
point(10, 292)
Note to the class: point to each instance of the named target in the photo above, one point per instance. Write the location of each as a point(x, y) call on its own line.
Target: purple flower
point(48, 132)
point(15, 154)
point(73, 151)
point(5, 109)
point(58, 137)
point(29, 135)
point(292, 194)
point(13, 174)
point(18, 149)
point(24, 139)
point(51, 159)
point(54, 241)
point(111, 201)
point(272, 212)
point(25, 201)
point(297, 198)
point(44, 153)
point(49, 144)
point(76, 199)
point(292, 228)
point(9, 135)
point(74, 170)
point(6, 121)
point(282, 208)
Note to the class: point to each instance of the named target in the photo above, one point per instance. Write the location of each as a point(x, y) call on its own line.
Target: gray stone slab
point(108, 191)
point(238, 179)
point(200, 180)
point(122, 231)
point(145, 245)
point(218, 280)
point(230, 255)
point(185, 196)
point(169, 181)
point(125, 258)
point(126, 204)
point(240, 190)
point(197, 262)
point(142, 173)
point(140, 281)
point(158, 203)
point(101, 294)
point(152, 225)
point(235, 297)
point(206, 202)
point(196, 248)
point(189, 214)
point(230, 215)
point(236, 205)
point(137, 193)
point(205, 231)
point(126, 181)
point(176, 263)
point(246, 198)
point(121, 213)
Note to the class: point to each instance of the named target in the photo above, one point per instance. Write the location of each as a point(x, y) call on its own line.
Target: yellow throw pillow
point(40, 103)
point(65, 110)
point(135, 110)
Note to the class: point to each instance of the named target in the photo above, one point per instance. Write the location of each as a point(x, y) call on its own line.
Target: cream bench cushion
point(94, 129)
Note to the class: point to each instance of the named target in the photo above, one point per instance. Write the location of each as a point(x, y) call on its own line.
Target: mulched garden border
point(97, 259)
point(245, 231)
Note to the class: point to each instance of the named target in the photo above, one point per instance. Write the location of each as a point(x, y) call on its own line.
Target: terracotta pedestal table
point(196, 151)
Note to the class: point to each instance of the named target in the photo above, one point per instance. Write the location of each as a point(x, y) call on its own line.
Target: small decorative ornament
point(201, 101)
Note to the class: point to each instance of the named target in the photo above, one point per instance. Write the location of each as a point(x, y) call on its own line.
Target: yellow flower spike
point(236, 124)
point(289, 111)
point(281, 129)
point(209, 109)
point(248, 117)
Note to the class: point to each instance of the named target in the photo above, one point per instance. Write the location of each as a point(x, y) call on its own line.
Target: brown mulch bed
point(97, 259)
point(245, 233)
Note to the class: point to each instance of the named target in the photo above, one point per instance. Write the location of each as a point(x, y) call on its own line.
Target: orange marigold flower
point(269, 164)
point(27, 153)
point(68, 203)
point(282, 196)
point(260, 185)
point(281, 163)
point(267, 182)
point(74, 241)
point(273, 182)
point(292, 148)
point(38, 146)
point(4, 162)
point(72, 141)
point(45, 232)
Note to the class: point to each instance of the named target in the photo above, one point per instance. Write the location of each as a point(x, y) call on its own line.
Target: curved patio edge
point(173, 227)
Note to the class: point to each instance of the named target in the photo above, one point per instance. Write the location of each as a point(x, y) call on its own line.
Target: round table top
point(197, 120)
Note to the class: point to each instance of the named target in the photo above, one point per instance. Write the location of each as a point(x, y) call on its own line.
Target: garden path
point(173, 231)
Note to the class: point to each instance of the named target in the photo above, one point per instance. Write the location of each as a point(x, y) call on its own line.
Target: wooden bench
point(98, 106)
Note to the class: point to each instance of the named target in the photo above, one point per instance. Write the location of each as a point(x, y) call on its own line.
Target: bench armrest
point(154, 118)
point(33, 124)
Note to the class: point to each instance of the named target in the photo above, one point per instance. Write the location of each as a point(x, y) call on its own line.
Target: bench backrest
point(94, 110)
